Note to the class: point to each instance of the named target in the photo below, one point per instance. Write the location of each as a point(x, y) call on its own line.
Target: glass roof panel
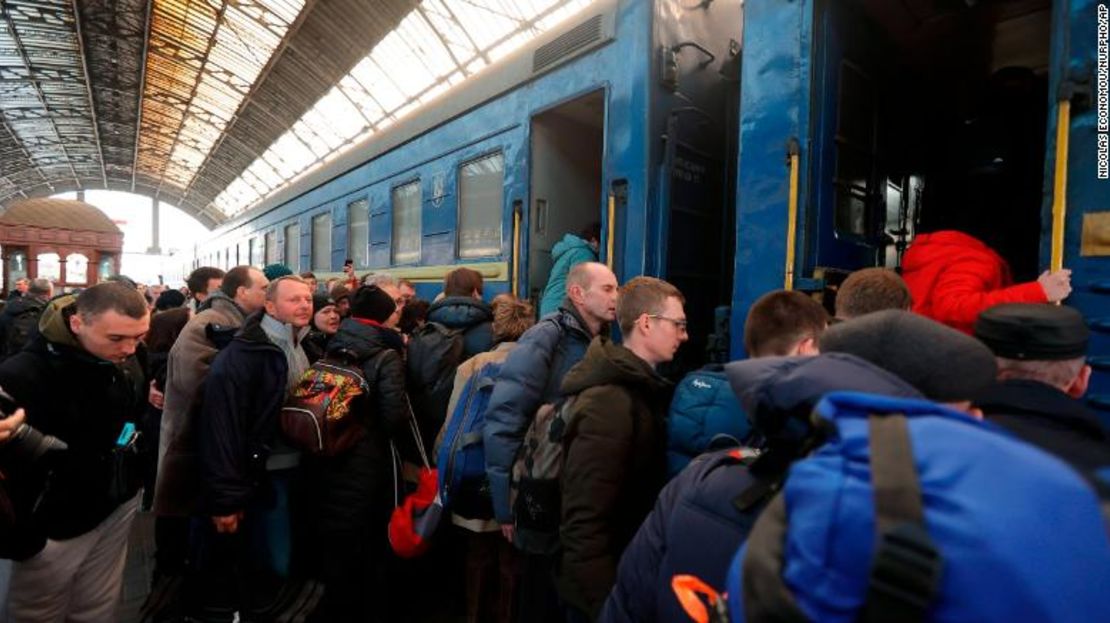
point(203, 58)
point(436, 46)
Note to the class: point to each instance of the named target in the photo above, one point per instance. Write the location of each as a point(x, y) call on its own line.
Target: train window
point(321, 242)
point(272, 250)
point(481, 188)
point(293, 246)
point(258, 252)
point(406, 223)
point(358, 232)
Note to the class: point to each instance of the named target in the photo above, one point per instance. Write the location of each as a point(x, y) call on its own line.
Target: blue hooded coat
point(566, 253)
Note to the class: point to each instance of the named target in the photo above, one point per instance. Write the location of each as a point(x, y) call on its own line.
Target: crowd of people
point(912, 456)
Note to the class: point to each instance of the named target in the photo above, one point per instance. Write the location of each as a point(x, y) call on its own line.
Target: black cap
point(320, 301)
point(1033, 331)
point(941, 362)
point(372, 303)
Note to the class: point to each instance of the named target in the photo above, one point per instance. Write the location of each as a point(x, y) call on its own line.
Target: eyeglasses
point(679, 323)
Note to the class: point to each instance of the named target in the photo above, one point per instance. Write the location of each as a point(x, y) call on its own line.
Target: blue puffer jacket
point(708, 510)
point(566, 253)
point(530, 377)
point(472, 316)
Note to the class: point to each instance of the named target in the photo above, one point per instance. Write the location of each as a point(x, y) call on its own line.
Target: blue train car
point(624, 116)
point(865, 121)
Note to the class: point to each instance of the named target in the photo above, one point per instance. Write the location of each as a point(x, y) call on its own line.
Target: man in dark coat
point(353, 493)
point(462, 308)
point(1042, 375)
point(81, 381)
point(530, 377)
point(20, 318)
point(245, 467)
point(614, 461)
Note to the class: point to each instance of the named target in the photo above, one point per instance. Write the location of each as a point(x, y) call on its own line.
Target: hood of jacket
point(568, 243)
point(779, 393)
point(608, 363)
point(460, 312)
point(364, 340)
point(54, 322)
point(220, 300)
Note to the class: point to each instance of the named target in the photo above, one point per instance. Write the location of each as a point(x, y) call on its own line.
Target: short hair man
point(177, 488)
point(784, 323)
point(1042, 374)
point(310, 278)
point(202, 282)
point(20, 318)
point(19, 287)
point(463, 309)
point(243, 463)
point(531, 376)
point(614, 462)
point(871, 290)
point(80, 381)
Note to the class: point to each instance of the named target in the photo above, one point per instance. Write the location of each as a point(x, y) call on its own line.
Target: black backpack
point(20, 329)
point(434, 353)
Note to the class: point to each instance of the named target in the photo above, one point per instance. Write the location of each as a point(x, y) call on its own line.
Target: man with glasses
point(614, 461)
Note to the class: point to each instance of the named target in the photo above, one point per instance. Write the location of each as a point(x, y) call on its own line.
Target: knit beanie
point(942, 363)
point(320, 301)
point(169, 299)
point(273, 271)
point(372, 303)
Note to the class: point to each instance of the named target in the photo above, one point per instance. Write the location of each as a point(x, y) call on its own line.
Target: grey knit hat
point(942, 363)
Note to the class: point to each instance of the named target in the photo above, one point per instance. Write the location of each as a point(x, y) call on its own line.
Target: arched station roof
point(213, 104)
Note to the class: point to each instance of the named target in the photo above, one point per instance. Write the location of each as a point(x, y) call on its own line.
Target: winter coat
point(530, 377)
point(315, 345)
point(614, 464)
point(177, 492)
point(708, 510)
point(470, 315)
point(84, 401)
point(17, 308)
point(352, 493)
point(1050, 419)
point(566, 254)
point(954, 277)
point(237, 428)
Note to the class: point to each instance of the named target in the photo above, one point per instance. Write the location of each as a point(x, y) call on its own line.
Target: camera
point(27, 444)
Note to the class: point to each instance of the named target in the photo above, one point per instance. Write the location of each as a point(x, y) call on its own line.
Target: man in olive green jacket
point(615, 445)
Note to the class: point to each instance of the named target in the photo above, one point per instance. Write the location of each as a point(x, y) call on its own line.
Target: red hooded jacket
point(953, 277)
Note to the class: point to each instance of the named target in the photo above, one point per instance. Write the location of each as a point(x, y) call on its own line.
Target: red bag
point(414, 521)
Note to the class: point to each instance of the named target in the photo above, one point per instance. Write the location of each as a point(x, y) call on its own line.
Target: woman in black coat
point(353, 492)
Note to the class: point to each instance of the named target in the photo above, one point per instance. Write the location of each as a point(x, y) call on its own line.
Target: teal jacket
point(568, 252)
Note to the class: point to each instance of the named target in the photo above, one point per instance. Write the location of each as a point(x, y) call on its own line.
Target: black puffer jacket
point(84, 401)
point(353, 492)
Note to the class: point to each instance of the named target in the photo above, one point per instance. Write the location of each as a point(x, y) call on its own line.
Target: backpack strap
point(906, 566)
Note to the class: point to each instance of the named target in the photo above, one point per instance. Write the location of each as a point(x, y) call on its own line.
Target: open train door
point(1077, 178)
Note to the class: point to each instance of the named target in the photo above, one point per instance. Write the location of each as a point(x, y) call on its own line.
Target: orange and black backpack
point(319, 416)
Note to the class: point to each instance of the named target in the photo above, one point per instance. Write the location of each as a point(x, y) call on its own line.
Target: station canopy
point(212, 105)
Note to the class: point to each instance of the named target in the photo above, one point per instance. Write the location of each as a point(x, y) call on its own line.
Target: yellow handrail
point(1060, 184)
point(516, 252)
point(791, 221)
point(612, 231)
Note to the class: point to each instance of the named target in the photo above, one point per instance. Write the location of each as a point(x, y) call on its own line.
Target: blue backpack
point(462, 455)
point(913, 512)
point(705, 415)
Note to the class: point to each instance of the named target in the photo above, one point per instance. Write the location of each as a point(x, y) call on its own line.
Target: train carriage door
point(1079, 163)
point(774, 124)
point(567, 143)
